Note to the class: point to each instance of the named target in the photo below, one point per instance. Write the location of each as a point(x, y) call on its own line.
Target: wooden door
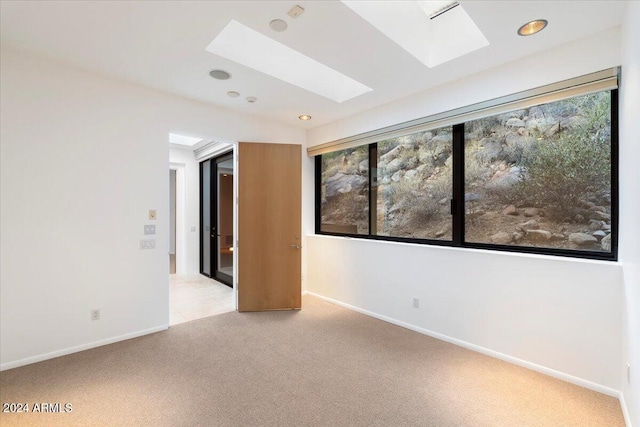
point(269, 224)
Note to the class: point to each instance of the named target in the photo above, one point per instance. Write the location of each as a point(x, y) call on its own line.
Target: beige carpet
point(322, 366)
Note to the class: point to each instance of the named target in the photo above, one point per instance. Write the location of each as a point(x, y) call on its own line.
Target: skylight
point(434, 8)
point(252, 49)
point(434, 32)
point(180, 139)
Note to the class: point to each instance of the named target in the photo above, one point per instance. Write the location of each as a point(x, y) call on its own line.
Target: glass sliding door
point(216, 216)
point(205, 218)
point(224, 219)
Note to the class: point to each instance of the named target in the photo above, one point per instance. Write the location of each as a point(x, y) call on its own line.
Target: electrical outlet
point(149, 229)
point(95, 314)
point(628, 373)
point(416, 303)
point(147, 243)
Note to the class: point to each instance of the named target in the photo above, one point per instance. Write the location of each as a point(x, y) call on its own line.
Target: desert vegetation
point(534, 177)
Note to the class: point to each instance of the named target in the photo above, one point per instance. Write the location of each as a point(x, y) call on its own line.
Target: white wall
point(561, 315)
point(630, 206)
point(83, 158)
point(188, 257)
point(571, 60)
point(172, 211)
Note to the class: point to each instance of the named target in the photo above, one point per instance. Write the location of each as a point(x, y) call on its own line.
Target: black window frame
point(458, 204)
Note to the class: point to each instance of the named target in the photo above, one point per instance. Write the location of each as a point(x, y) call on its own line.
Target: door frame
point(181, 217)
point(213, 219)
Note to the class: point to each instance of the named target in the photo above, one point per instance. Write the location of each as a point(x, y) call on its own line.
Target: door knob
point(295, 246)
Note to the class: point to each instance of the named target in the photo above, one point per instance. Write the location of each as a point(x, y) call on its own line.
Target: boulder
point(530, 225)
point(510, 210)
point(605, 243)
point(411, 174)
point(501, 238)
point(599, 234)
point(531, 212)
point(573, 122)
point(536, 113)
point(490, 150)
point(514, 123)
point(363, 167)
point(341, 183)
point(539, 235)
point(582, 239)
point(599, 215)
point(472, 197)
point(391, 154)
point(392, 167)
point(504, 179)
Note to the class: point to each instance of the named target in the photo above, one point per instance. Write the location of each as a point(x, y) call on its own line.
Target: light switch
point(152, 214)
point(149, 229)
point(147, 243)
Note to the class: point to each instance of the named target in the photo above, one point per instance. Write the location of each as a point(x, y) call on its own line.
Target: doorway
point(216, 218)
point(172, 221)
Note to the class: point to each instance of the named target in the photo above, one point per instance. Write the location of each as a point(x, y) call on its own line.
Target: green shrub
point(574, 165)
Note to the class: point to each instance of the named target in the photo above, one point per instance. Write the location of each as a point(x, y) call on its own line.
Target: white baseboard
point(625, 411)
point(75, 349)
point(542, 369)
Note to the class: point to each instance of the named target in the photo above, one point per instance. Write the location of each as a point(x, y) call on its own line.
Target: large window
point(344, 192)
point(539, 179)
point(413, 186)
point(541, 176)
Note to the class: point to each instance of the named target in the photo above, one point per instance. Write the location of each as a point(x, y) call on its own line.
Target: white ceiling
point(161, 44)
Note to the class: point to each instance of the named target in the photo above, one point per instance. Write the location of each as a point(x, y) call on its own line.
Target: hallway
point(195, 297)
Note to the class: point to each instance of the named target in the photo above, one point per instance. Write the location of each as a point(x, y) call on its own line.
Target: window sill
point(456, 249)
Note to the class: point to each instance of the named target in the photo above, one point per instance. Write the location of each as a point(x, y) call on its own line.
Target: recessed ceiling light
point(304, 117)
point(251, 99)
point(253, 49)
point(532, 27)
point(278, 25)
point(233, 94)
point(220, 74)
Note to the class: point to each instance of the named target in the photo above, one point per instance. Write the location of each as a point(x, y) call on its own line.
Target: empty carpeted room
point(430, 213)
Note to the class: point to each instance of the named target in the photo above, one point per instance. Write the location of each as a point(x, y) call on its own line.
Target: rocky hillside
point(533, 177)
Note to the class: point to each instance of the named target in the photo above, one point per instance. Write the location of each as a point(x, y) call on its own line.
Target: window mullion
point(457, 204)
point(373, 189)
